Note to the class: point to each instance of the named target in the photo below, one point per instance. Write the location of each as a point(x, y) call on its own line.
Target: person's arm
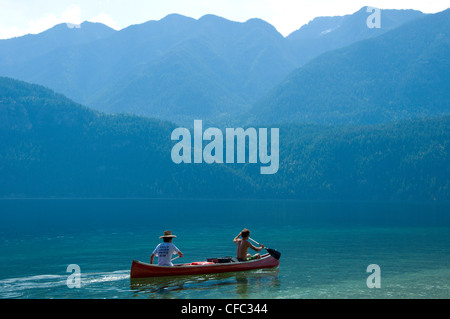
point(180, 254)
point(236, 239)
point(155, 252)
point(256, 248)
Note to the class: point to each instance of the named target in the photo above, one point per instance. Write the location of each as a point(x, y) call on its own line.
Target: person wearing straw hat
point(165, 250)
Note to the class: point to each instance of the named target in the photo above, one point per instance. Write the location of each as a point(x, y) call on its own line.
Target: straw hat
point(168, 234)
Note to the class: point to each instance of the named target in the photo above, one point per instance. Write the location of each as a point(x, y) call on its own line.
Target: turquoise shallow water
point(326, 248)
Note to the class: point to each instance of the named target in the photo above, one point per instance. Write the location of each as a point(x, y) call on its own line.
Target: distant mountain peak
point(175, 18)
point(211, 16)
point(259, 22)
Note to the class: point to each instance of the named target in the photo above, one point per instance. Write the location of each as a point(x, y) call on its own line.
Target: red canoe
point(144, 270)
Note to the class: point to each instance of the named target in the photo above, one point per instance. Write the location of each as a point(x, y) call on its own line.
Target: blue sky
point(19, 17)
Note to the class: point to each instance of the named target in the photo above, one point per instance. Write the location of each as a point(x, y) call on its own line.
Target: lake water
point(326, 248)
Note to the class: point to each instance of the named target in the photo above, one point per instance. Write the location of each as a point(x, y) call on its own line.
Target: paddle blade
point(274, 253)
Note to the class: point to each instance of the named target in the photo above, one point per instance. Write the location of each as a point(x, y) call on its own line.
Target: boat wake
point(43, 286)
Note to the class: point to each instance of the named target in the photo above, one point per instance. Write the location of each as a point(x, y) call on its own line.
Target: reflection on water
point(238, 283)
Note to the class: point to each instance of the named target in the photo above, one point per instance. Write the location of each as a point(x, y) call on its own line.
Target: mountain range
point(179, 68)
point(402, 74)
point(53, 147)
point(330, 33)
point(363, 114)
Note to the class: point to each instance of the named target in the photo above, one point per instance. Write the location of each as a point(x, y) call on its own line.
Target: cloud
point(34, 26)
point(71, 15)
point(11, 32)
point(42, 24)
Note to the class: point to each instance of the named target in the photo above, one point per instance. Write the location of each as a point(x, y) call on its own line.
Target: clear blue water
point(326, 248)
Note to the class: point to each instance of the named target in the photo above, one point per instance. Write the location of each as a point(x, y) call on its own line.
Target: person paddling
point(243, 245)
point(165, 250)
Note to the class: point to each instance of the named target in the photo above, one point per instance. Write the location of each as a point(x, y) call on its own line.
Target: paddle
point(273, 252)
point(175, 258)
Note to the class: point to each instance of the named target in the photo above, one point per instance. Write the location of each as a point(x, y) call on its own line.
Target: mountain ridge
point(53, 147)
point(398, 75)
point(227, 66)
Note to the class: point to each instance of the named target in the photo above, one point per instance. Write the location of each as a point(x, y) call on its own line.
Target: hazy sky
point(19, 17)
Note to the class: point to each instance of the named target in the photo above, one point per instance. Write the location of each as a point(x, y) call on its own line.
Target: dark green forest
point(408, 160)
point(53, 147)
point(363, 113)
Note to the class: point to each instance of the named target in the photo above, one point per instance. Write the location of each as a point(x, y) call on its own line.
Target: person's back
point(243, 245)
point(165, 250)
point(242, 249)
